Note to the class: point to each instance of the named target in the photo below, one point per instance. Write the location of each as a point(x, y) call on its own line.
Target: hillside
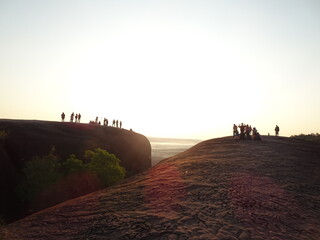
point(218, 189)
point(25, 139)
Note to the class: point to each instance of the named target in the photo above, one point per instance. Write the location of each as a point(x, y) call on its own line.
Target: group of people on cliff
point(245, 132)
point(115, 123)
point(77, 117)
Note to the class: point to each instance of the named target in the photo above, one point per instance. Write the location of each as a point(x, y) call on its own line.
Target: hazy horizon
point(162, 148)
point(178, 69)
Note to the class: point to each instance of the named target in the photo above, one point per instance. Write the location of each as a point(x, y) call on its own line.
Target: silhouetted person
point(248, 131)
point(117, 123)
point(113, 123)
point(63, 116)
point(242, 129)
point(254, 131)
point(105, 122)
point(120, 124)
point(256, 135)
point(79, 117)
point(277, 129)
point(76, 118)
point(97, 120)
point(235, 131)
point(71, 117)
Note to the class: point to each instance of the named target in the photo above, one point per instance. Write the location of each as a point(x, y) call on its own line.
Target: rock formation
point(218, 189)
point(26, 139)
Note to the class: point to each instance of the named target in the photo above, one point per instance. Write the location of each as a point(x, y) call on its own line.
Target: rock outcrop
point(218, 189)
point(25, 139)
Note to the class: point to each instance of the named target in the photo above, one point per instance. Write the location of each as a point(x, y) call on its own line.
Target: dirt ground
point(219, 189)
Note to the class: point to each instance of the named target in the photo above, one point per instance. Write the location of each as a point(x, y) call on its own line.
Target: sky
point(170, 68)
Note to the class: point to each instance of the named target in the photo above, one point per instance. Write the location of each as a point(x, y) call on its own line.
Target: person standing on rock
point(105, 122)
point(63, 116)
point(242, 128)
point(71, 117)
point(247, 132)
point(235, 131)
point(277, 129)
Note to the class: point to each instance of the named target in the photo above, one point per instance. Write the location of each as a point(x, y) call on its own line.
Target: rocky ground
point(219, 189)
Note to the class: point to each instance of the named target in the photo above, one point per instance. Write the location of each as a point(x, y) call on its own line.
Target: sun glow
point(172, 70)
point(177, 72)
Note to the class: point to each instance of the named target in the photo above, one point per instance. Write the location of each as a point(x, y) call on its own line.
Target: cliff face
point(26, 139)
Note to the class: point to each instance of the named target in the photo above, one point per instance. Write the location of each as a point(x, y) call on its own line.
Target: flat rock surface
point(219, 189)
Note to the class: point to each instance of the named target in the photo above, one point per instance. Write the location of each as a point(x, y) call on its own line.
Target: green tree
point(39, 173)
point(105, 166)
point(73, 165)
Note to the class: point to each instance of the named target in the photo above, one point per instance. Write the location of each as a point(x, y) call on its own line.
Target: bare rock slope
point(219, 189)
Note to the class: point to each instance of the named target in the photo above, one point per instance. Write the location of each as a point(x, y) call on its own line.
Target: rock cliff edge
point(25, 139)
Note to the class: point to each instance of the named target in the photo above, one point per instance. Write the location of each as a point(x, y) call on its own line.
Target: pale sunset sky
point(182, 69)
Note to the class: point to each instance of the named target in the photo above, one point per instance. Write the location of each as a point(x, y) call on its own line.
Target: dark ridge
point(25, 139)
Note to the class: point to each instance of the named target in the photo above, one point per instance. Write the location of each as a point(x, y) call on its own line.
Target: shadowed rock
point(26, 139)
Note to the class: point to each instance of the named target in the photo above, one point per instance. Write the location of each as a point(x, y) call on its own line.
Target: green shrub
point(105, 166)
point(313, 137)
point(39, 174)
point(43, 172)
point(73, 165)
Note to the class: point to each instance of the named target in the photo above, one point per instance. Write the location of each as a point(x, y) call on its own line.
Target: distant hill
point(174, 140)
point(21, 140)
point(219, 189)
point(166, 147)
